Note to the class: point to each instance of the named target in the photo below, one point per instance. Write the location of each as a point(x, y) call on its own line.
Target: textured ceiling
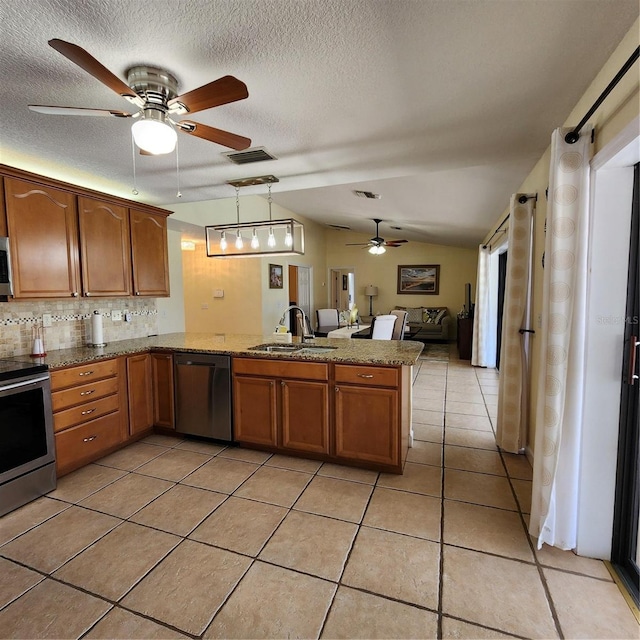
point(441, 106)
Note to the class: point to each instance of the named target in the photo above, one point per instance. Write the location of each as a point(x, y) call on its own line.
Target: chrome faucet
point(307, 333)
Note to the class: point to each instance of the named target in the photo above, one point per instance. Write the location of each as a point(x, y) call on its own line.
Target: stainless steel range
point(27, 448)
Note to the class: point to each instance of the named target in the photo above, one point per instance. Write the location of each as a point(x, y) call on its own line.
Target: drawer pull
point(365, 375)
point(89, 439)
point(86, 373)
point(87, 393)
point(87, 412)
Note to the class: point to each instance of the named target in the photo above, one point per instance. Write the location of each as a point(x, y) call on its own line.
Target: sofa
point(432, 323)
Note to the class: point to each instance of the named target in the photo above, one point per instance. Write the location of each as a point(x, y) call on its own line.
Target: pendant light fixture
point(239, 242)
point(266, 235)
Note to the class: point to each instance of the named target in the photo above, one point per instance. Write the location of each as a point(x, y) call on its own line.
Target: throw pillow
point(441, 314)
point(414, 315)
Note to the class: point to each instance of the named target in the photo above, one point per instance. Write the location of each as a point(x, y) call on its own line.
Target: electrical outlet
point(46, 319)
point(127, 316)
point(116, 316)
point(204, 307)
point(218, 293)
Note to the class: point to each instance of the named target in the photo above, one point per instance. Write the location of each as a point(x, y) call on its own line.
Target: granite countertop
point(384, 352)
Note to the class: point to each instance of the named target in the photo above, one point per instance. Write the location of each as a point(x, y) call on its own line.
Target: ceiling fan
point(155, 92)
point(377, 244)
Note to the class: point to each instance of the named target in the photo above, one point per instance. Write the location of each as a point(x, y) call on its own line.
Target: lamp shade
point(370, 290)
point(153, 134)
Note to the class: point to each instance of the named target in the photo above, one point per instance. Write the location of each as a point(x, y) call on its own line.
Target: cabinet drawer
point(282, 369)
point(82, 413)
point(81, 375)
point(87, 441)
point(83, 393)
point(365, 375)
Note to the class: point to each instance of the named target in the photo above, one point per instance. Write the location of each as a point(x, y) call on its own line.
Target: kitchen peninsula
point(346, 401)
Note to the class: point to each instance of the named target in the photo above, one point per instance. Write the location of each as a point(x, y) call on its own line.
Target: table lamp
point(370, 291)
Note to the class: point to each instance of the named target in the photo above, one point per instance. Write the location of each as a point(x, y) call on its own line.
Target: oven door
point(26, 426)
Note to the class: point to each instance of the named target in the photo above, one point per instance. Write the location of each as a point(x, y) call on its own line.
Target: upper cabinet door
point(149, 253)
point(45, 260)
point(3, 217)
point(105, 252)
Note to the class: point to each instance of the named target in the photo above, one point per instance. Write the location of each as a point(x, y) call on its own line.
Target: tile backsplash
point(71, 322)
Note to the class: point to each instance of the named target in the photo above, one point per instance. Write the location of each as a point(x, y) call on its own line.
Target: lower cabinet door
point(86, 442)
point(255, 410)
point(367, 424)
point(305, 416)
point(140, 393)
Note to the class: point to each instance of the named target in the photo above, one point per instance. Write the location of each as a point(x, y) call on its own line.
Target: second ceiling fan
point(155, 92)
point(377, 244)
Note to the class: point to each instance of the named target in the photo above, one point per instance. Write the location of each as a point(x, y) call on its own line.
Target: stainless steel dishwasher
point(203, 395)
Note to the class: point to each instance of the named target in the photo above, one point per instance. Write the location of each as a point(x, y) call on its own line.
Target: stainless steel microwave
point(6, 289)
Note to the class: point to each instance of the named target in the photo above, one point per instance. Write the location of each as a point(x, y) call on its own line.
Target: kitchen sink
point(277, 347)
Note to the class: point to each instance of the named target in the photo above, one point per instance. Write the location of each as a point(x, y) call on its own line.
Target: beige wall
point(248, 305)
point(457, 267)
point(618, 110)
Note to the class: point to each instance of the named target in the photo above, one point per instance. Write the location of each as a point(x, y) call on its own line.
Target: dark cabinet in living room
point(465, 338)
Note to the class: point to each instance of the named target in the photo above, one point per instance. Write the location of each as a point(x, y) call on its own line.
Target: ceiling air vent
point(257, 154)
point(368, 194)
point(340, 227)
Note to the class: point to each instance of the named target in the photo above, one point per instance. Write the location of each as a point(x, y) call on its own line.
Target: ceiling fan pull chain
point(179, 194)
point(133, 156)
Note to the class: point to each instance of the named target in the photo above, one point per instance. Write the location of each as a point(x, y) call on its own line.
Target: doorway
point(343, 287)
point(625, 554)
point(299, 293)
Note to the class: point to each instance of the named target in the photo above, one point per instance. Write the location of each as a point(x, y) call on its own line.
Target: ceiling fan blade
point(394, 243)
point(87, 62)
point(357, 244)
point(78, 111)
point(221, 91)
point(225, 138)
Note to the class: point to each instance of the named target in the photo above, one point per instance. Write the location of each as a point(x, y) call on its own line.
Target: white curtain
point(481, 314)
point(559, 403)
point(511, 429)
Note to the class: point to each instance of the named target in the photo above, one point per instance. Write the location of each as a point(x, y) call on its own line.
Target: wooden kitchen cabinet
point(149, 253)
point(43, 231)
point(163, 400)
point(140, 393)
point(89, 412)
point(367, 415)
point(105, 248)
point(68, 241)
point(3, 215)
point(280, 404)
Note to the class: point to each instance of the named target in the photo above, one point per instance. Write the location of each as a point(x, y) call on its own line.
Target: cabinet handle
point(337, 389)
point(137, 293)
point(87, 412)
point(365, 375)
point(87, 393)
point(74, 294)
point(87, 293)
point(89, 439)
point(86, 373)
point(283, 383)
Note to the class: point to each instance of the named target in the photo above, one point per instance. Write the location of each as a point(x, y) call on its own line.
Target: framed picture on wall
point(421, 279)
point(275, 276)
point(345, 283)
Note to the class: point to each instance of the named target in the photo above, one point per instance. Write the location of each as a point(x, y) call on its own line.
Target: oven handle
point(24, 383)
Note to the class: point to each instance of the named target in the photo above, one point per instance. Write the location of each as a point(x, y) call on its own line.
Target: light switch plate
point(116, 316)
point(46, 319)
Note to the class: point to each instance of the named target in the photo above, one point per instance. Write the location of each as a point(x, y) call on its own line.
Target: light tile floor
point(173, 538)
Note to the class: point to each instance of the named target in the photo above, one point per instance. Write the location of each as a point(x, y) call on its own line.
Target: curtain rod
point(573, 136)
point(522, 199)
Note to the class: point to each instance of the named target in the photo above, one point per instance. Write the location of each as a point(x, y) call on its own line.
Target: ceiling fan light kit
point(153, 133)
